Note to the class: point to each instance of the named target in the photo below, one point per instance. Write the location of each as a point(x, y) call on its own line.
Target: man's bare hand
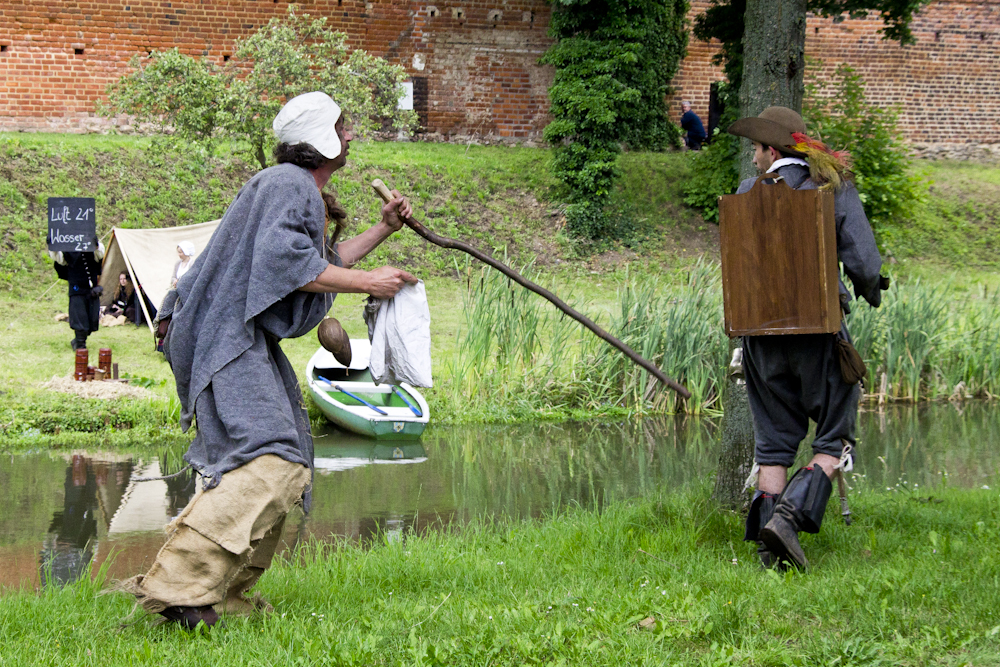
point(387, 280)
point(396, 211)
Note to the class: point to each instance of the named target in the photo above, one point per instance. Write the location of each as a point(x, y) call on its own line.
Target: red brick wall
point(479, 58)
point(947, 85)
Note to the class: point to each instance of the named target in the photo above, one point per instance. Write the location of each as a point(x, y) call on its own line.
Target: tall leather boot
point(800, 508)
point(761, 510)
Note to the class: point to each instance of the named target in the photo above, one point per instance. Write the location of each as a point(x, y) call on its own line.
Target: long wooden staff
point(445, 242)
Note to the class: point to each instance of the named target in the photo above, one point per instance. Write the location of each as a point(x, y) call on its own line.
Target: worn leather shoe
point(767, 559)
point(782, 540)
point(240, 604)
point(190, 617)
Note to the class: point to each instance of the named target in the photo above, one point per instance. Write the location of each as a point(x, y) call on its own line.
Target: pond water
point(67, 513)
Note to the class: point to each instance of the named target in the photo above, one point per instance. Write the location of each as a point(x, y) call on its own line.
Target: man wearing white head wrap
point(270, 271)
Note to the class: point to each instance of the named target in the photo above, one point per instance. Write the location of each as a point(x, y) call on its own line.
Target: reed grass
point(924, 343)
point(518, 355)
point(517, 351)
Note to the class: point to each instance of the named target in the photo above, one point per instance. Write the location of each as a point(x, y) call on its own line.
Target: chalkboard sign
point(72, 224)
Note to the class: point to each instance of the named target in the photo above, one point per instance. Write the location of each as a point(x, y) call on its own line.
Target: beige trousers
point(225, 538)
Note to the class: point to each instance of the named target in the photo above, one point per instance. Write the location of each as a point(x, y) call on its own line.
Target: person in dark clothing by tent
point(82, 270)
point(691, 123)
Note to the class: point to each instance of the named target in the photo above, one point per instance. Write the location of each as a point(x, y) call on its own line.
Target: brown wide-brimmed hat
point(773, 127)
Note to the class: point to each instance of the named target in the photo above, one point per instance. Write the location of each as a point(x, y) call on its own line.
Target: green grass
point(912, 582)
point(957, 224)
point(505, 201)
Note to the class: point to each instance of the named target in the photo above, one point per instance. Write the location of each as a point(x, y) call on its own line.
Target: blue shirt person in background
point(691, 123)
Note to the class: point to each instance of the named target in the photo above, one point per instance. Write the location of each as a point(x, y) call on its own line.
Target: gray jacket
point(229, 311)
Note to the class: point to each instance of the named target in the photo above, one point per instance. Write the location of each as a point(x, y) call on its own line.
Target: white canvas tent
point(149, 255)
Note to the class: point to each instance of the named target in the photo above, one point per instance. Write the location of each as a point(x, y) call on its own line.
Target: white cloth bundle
point(400, 332)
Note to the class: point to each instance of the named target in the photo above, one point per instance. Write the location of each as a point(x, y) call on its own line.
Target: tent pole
point(138, 292)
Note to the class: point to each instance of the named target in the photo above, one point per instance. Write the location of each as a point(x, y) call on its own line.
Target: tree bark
point(774, 38)
point(737, 444)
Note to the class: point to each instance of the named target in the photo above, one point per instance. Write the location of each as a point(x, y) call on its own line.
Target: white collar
point(785, 161)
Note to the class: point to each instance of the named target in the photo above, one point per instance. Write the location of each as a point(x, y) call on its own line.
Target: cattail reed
point(517, 353)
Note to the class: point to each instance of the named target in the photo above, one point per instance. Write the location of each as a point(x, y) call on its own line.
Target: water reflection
point(930, 444)
point(69, 544)
point(66, 513)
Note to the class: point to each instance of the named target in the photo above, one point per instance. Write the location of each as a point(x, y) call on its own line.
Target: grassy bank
point(499, 199)
point(958, 224)
point(503, 355)
point(912, 582)
point(500, 355)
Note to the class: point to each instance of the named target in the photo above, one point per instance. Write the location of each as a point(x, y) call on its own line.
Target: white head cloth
point(310, 119)
point(187, 248)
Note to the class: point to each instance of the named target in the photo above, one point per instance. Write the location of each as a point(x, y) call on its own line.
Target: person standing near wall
point(269, 272)
point(691, 123)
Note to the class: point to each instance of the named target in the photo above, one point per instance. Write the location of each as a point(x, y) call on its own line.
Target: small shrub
point(714, 172)
point(846, 120)
point(617, 221)
point(715, 168)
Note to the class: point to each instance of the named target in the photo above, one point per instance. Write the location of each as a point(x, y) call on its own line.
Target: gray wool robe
point(229, 312)
point(794, 378)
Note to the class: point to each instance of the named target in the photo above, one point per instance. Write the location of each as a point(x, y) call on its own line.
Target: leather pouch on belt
point(852, 366)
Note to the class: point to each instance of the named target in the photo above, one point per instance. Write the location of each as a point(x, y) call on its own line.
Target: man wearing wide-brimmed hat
point(794, 378)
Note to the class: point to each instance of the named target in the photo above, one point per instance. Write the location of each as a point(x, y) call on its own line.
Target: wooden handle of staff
point(445, 242)
point(382, 190)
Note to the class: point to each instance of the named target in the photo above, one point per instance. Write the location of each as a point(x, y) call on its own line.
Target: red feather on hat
point(827, 168)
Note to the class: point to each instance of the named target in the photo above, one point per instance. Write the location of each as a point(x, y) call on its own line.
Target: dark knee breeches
point(790, 380)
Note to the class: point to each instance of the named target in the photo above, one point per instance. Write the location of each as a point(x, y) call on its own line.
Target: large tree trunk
point(774, 38)
point(736, 447)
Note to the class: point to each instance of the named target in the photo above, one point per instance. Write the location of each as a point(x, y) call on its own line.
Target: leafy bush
point(201, 101)
point(715, 169)
point(616, 221)
point(714, 172)
point(613, 60)
point(846, 120)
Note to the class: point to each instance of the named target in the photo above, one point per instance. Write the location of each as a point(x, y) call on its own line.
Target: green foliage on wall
point(201, 101)
point(613, 60)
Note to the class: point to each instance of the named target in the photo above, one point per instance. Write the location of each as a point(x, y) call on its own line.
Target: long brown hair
point(336, 214)
point(128, 287)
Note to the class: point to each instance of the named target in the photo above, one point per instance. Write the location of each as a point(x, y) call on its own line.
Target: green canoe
point(351, 400)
